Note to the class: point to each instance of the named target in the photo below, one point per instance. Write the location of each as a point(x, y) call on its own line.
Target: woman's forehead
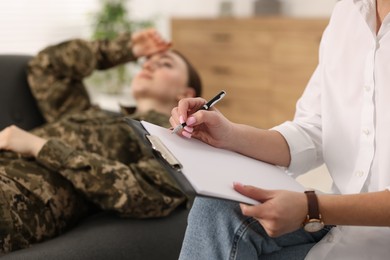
point(167, 55)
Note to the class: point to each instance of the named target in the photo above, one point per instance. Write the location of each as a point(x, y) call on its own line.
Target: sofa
point(102, 235)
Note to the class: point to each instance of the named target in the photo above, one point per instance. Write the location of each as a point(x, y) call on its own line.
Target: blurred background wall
point(26, 26)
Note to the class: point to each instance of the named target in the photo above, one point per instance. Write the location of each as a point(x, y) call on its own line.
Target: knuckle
point(272, 233)
point(245, 211)
point(7, 131)
point(182, 101)
point(273, 230)
point(200, 115)
point(173, 111)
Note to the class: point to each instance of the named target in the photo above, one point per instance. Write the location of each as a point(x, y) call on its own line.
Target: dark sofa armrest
point(17, 104)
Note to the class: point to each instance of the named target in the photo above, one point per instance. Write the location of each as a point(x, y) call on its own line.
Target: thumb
point(255, 193)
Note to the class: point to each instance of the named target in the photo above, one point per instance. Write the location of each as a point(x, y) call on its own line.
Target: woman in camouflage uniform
point(82, 156)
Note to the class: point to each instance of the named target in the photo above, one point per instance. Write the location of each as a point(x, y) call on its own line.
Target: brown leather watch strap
point(312, 202)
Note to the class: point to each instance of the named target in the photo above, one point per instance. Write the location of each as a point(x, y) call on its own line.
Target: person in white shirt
point(342, 120)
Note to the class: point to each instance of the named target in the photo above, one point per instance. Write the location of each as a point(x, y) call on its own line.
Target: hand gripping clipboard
point(203, 170)
point(163, 155)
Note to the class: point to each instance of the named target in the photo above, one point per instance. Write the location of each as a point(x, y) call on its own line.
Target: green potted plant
point(112, 19)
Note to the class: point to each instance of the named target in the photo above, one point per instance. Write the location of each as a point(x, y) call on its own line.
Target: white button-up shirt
point(343, 120)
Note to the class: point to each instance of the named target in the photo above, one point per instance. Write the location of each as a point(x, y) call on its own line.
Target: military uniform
point(91, 157)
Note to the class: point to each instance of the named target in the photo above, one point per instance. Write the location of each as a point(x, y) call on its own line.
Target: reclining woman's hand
point(148, 42)
point(14, 139)
point(208, 126)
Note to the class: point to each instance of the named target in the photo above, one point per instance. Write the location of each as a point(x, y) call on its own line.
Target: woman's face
point(164, 76)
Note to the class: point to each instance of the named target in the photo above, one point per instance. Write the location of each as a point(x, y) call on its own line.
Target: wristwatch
point(313, 221)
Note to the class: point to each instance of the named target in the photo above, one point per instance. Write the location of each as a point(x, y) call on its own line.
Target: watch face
point(313, 225)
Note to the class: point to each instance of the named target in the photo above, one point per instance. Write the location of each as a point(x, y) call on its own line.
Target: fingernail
point(181, 119)
point(189, 129)
point(186, 134)
point(191, 120)
point(237, 184)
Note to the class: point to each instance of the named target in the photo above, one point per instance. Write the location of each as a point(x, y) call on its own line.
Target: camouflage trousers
point(35, 203)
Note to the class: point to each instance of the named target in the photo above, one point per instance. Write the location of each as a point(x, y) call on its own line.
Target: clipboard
point(203, 170)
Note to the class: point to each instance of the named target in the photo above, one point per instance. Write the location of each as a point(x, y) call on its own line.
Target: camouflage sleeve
point(135, 191)
point(56, 74)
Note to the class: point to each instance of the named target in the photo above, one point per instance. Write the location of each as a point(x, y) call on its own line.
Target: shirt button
point(366, 131)
point(359, 173)
point(329, 238)
point(367, 88)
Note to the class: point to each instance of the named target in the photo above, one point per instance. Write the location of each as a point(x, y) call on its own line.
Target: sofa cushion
point(17, 104)
point(106, 236)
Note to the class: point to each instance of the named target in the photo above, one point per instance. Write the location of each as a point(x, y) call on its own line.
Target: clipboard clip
point(160, 148)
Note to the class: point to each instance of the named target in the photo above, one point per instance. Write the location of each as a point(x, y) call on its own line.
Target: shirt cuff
point(302, 149)
point(54, 154)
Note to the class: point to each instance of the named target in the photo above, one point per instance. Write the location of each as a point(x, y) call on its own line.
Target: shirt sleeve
point(304, 133)
point(303, 151)
point(56, 74)
point(139, 190)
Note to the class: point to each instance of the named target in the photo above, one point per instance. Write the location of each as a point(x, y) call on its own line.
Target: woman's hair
point(194, 80)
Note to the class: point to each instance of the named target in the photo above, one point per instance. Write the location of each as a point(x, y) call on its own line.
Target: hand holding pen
point(206, 106)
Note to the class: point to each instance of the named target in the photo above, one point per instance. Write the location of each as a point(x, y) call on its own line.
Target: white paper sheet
point(212, 171)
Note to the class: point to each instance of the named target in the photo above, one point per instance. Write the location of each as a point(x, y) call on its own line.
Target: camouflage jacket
point(97, 152)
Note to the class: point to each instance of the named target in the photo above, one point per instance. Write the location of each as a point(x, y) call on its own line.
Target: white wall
point(26, 26)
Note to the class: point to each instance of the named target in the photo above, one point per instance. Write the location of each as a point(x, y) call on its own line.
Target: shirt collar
point(367, 9)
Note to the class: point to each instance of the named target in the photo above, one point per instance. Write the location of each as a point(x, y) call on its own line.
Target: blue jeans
point(218, 230)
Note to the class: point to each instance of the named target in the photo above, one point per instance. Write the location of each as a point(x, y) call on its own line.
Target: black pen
point(206, 106)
